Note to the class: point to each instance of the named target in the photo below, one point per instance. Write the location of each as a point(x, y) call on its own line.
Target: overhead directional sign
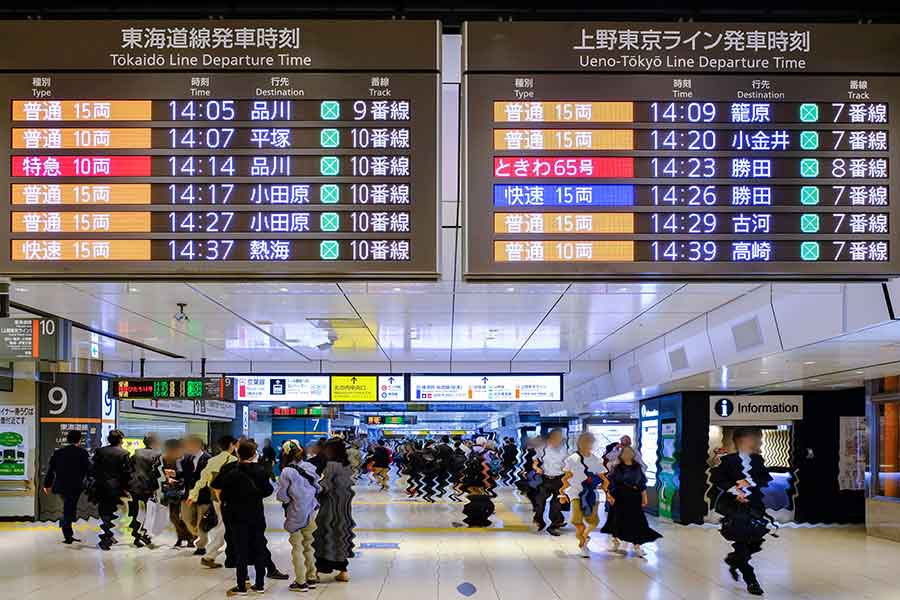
point(486, 388)
point(354, 388)
point(281, 388)
point(40, 339)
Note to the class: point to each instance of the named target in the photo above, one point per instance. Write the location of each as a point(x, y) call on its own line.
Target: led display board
point(217, 149)
point(679, 150)
point(391, 420)
point(189, 388)
point(486, 388)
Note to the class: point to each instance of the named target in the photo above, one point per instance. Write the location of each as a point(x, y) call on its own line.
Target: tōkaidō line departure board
point(664, 150)
point(220, 149)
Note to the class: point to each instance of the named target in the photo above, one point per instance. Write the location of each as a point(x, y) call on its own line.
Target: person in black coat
point(192, 465)
point(143, 485)
point(68, 468)
point(112, 474)
point(741, 477)
point(242, 488)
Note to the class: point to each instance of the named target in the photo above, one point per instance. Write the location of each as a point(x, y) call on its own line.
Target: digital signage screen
point(679, 150)
point(220, 149)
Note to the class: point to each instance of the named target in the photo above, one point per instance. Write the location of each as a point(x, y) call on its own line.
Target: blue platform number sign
point(724, 407)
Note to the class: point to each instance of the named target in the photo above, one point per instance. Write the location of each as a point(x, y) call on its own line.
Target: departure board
point(220, 149)
point(679, 151)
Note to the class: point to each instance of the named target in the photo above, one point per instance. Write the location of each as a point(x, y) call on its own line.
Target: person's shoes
point(200, 552)
point(343, 576)
point(113, 541)
point(138, 543)
point(210, 563)
point(276, 574)
point(257, 590)
point(553, 531)
point(539, 523)
point(312, 583)
point(299, 587)
point(190, 544)
point(754, 589)
point(733, 570)
point(614, 545)
point(69, 541)
point(105, 546)
point(236, 591)
point(178, 543)
point(584, 551)
point(147, 539)
point(638, 551)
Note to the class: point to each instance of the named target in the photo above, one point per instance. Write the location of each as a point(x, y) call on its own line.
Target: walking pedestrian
point(627, 496)
point(192, 465)
point(583, 474)
point(142, 486)
point(69, 466)
point(741, 477)
point(549, 463)
point(112, 474)
point(381, 463)
point(170, 491)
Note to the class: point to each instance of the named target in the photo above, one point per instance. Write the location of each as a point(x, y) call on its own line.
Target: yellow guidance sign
point(354, 388)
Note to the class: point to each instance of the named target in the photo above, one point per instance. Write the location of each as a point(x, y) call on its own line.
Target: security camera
point(181, 315)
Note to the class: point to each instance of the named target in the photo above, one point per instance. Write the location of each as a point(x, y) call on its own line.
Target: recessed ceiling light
point(510, 289)
point(763, 372)
point(283, 290)
point(23, 290)
point(133, 290)
point(815, 379)
point(860, 372)
point(810, 362)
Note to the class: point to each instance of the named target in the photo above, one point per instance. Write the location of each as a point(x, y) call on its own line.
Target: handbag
point(210, 520)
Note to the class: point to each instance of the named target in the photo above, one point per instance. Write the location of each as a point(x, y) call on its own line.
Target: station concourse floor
point(436, 558)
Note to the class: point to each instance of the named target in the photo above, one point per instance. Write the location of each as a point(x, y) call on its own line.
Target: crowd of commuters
point(216, 503)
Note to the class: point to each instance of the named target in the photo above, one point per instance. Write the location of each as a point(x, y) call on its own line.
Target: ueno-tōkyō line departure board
point(220, 149)
point(664, 150)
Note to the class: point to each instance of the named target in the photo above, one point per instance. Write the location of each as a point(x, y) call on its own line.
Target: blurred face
point(625, 441)
point(749, 444)
point(555, 439)
point(586, 444)
point(538, 442)
point(174, 453)
point(627, 455)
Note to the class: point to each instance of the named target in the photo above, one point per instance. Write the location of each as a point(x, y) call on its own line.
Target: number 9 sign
point(59, 400)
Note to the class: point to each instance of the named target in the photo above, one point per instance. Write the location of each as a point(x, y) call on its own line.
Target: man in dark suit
point(112, 475)
point(741, 477)
point(69, 466)
point(192, 465)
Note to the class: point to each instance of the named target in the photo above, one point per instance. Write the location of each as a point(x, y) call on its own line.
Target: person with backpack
point(298, 488)
point(582, 474)
point(142, 486)
point(741, 477)
point(242, 490)
point(112, 475)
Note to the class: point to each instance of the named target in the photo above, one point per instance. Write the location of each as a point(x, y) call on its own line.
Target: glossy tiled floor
point(434, 557)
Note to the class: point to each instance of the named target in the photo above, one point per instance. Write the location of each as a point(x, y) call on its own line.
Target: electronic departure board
point(220, 149)
point(680, 150)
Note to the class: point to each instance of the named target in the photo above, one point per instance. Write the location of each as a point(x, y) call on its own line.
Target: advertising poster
point(668, 475)
point(854, 455)
point(15, 424)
